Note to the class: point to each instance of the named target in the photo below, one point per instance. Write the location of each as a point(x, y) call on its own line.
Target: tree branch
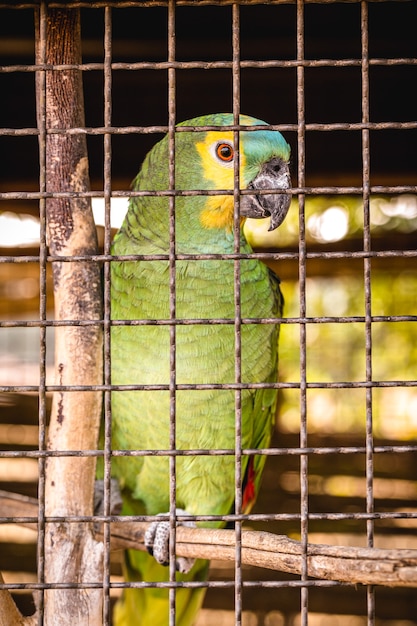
point(71, 552)
point(367, 566)
point(9, 613)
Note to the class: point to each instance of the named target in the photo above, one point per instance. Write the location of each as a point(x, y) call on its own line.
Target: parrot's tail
point(150, 606)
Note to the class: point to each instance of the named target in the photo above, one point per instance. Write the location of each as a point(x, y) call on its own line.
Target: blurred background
point(335, 286)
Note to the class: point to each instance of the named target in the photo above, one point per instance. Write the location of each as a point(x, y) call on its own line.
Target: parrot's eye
point(225, 152)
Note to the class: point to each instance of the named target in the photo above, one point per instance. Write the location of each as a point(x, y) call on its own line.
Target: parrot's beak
point(274, 174)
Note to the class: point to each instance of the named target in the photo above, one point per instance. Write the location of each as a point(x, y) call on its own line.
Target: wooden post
point(72, 555)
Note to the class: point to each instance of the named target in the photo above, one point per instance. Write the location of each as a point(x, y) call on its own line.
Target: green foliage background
point(336, 352)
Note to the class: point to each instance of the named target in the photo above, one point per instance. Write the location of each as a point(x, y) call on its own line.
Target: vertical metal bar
point(302, 292)
point(41, 86)
point(172, 305)
point(238, 312)
point(367, 289)
point(107, 307)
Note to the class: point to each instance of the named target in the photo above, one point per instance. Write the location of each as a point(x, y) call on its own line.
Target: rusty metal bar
point(172, 96)
point(238, 312)
point(367, 287)
point(40, 24)
point(301, 133)
point(107, 311)
point(210, 65)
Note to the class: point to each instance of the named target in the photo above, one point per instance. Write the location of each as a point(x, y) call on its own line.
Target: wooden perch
point(367, 566)
point(9, 613)
point(279, 552)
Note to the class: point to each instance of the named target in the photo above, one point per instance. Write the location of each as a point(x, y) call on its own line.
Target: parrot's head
point(263, 165)
point(205, 160)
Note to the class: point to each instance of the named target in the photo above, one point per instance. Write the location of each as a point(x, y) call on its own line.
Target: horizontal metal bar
point(147, 130)
point(207, 322)
point(276, 517)
point(367, 384)
point(204, 65)
point(323, 451)
point(209, 584)
point(313, 191)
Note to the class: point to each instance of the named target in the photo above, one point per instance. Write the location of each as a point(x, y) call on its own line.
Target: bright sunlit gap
point(118, 208)
point(23, 230)
point(331, 225)
point(18, 230)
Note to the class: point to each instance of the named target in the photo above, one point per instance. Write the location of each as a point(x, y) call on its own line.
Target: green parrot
point(205, 352)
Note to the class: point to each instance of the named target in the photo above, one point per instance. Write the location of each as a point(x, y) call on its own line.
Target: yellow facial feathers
point(218, 168)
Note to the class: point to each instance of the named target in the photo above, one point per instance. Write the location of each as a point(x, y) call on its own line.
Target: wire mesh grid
point(306, 448)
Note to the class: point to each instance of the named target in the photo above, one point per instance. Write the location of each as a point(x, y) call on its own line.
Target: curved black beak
point(274, 174)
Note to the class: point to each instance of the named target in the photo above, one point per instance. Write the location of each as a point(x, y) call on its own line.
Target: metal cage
point(337, 80)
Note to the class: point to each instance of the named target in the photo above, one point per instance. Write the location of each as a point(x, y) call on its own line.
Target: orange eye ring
point(225, 152)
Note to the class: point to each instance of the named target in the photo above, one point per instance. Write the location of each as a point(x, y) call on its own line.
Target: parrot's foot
point(157, 543)
point(115, 497)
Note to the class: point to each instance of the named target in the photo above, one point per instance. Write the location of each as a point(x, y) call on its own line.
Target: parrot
point(200, 292)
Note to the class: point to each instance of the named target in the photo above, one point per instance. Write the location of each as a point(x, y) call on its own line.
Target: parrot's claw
point(157, 543)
